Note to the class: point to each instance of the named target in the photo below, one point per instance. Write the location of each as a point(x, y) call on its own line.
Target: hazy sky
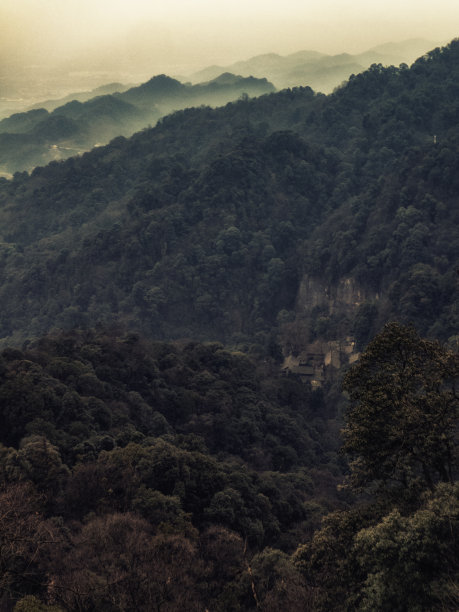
point(163, 35)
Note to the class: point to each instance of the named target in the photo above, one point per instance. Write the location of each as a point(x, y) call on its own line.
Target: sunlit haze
point(141, 37)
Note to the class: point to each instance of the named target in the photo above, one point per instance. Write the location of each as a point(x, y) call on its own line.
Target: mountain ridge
point(320, 71)
point(27, 140)
point(205, 225)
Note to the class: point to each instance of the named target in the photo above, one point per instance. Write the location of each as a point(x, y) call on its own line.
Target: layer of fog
point(52, 48)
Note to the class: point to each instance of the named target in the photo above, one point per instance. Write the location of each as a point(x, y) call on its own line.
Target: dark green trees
point(397, 549)
point(400, 428)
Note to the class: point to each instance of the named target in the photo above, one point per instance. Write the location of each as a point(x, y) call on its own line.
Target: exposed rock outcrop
point(307, 352)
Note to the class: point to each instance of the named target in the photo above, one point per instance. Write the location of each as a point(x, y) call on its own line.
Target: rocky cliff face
point(343, 298)
point(320, 340)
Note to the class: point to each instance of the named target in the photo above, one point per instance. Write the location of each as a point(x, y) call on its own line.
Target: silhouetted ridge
point(160, 87)
point(103, 117)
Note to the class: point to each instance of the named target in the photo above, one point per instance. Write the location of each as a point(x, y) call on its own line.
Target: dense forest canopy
point(190, 446)
point(205, 225)
point(150, 476)
point(153, 453)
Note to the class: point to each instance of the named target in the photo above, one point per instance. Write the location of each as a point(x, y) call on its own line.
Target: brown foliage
point(24, 538)
point(115, 563)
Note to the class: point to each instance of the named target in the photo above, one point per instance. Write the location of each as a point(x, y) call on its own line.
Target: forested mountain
point(144, 465)
point(207, 225)
point(82, 96)
point(37, 137)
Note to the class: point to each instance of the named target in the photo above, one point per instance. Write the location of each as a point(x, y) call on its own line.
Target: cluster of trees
point(157, 476)
point(397, 548)
point(138, 476)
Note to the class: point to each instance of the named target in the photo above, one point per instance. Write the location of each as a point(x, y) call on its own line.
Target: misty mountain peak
point(161, 82)
point(227, 78)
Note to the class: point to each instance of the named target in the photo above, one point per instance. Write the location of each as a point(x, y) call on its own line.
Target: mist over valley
point(81, 120)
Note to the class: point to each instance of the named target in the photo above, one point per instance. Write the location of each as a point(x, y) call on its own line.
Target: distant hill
point(82, 96)
point(320, 71)
point(141, 468)
point(268, 63)
point(21, 123)
point(170, 94)
point(38, 136)
point(409, 50)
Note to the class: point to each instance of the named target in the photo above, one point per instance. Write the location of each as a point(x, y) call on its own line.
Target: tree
point(116, 563)
point(329, 563)
point(398, 552)
point(224, 554)
point(401, 423)
point(24, 539)
point(412, 562)
point(276, 583)
point(363, 560)
point(42, 464)
point(30, 603)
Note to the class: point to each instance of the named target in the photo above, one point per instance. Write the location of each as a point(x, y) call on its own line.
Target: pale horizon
point(132, 39)
point(201, 31)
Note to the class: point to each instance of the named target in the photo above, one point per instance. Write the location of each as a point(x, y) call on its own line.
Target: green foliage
point(131, 452)
point(328, 562)
point(370, 561)
point(203, 226)
point(397, 550)
point(136, 454)
point(167, 425)
point(41, 464)
point(419, 550)
point(400, 429)
point(30, 603)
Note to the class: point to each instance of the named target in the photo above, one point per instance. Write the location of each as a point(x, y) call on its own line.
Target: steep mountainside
point(206, 225)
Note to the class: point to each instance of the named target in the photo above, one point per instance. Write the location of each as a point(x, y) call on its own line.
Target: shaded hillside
point(37, 137)
point(106, 385)
point(185, 443)
point(139, 475)
point(206, 225)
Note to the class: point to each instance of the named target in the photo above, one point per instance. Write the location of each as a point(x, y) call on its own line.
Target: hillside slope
point(209, 225)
